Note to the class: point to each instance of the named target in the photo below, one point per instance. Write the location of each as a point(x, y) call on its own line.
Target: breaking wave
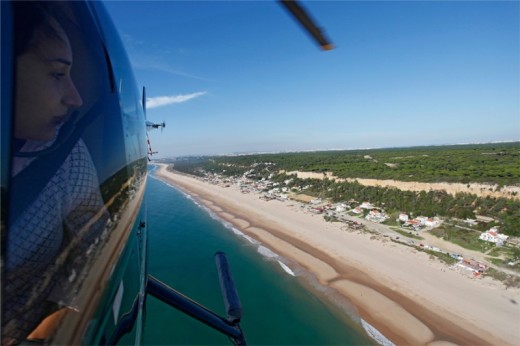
point(286, 268)
point(376, 334)
point(243, 235)
point(262, 250)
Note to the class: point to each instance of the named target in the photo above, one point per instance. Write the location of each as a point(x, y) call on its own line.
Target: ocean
point(281, 304)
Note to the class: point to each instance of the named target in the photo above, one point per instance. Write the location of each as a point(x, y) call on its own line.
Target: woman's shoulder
point(79, 161)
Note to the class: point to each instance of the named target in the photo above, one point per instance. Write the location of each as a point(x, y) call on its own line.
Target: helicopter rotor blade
point(301, 15)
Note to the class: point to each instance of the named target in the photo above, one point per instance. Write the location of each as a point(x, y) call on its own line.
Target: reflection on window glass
point(68, 152)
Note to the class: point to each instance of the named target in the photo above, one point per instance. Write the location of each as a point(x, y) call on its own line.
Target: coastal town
point(367, 217)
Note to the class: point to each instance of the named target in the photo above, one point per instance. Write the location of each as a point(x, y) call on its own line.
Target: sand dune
point(481, 190)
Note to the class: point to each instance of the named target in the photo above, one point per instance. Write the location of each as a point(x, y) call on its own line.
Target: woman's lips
point(58, 120)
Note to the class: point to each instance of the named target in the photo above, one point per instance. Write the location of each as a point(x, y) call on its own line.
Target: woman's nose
point(72, 98)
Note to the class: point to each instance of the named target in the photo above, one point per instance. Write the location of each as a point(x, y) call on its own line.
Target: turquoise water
point(277, 308)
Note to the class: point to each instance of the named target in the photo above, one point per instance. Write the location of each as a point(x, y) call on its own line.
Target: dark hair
point(30, 17)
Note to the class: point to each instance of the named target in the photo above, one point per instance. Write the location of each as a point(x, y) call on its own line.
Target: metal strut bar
point(170, 296)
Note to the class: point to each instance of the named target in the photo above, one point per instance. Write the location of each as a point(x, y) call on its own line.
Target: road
point(431, 240)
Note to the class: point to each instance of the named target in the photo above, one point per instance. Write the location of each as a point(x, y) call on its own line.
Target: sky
point(232, 77)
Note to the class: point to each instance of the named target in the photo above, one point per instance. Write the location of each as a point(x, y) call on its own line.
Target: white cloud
point(159, 101)
point(166, 68)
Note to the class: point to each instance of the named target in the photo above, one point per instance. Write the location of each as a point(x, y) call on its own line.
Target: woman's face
point(45, 92)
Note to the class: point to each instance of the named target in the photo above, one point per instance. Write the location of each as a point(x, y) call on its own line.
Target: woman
point(45, 92)
point(49, 240)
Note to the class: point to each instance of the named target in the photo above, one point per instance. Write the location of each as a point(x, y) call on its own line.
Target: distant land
point(487, 163)
point(261, 152)
point(456, 181)
point(241, 153)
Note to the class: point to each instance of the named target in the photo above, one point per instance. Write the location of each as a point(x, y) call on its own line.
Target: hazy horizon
point(332, 149)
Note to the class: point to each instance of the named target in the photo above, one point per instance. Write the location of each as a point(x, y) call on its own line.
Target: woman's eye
point(57, 75)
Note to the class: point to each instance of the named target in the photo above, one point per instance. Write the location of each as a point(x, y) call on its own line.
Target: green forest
point(485, 163)
point(480, 163)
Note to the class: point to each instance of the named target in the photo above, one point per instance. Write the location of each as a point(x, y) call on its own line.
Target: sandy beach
point(409, 297)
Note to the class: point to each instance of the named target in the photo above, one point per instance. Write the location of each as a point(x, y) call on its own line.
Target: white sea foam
point(251, 240)
point(262, 250)
point(245, 236)
point(376, 334)
point(166, 183)
point(239, 232)
point(154, 176)
point(214, 216)
point(286, 268)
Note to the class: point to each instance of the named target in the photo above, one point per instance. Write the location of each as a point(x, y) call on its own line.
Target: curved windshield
point(77, 170)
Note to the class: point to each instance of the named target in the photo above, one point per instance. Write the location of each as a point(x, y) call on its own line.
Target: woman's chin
point(41, 136)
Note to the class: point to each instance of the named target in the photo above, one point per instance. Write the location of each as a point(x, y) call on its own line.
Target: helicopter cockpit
point(74, 160)
point(73, 174)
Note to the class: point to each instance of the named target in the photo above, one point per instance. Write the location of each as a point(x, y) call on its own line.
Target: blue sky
point(241, 76)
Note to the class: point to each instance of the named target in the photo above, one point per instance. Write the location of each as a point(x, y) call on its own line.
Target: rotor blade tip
point(328, 47)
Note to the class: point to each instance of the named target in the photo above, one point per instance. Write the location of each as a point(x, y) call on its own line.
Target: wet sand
point(409, 297)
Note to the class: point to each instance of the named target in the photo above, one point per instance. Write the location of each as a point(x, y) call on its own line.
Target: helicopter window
point(75, 164)
point(131, 103)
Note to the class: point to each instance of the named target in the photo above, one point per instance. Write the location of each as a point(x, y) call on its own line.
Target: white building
point(376, 216)
point(357, 210)
point(430, 222)
point(341, 207)
point(366, 205)
point(493, 236)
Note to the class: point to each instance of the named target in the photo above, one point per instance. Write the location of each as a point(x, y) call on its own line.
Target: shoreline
point(385, 282)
